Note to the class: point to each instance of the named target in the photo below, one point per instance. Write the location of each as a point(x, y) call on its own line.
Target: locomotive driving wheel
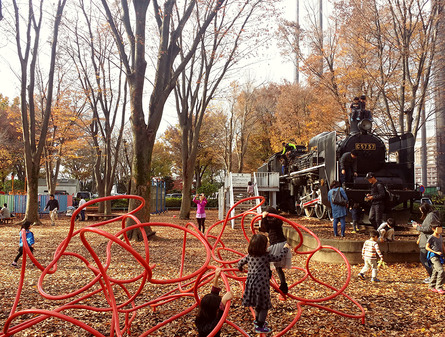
point(320, 211)
point(309, 211)
point(298, 209)
point(329, 214)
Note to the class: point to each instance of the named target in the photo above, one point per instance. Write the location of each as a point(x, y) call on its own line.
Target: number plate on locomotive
point(365, 146)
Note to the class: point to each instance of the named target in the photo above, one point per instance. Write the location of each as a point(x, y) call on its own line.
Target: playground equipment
point(123, 313)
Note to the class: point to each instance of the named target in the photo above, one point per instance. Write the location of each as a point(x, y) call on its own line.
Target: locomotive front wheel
point(320, 211)
point(298, 209)
point(309, 211)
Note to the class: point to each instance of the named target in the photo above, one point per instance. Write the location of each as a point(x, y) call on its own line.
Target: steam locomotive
point(306, 177)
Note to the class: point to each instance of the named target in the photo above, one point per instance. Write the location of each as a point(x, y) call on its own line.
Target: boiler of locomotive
point(372, 150)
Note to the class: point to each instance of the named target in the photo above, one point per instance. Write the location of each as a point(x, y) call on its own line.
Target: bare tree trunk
point(140, 179)
point(32, 202)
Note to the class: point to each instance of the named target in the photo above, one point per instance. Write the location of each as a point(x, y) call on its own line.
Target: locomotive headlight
point(365, 125)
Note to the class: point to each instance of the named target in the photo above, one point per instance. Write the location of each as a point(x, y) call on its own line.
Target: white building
point(63, 186)
point(431, 168)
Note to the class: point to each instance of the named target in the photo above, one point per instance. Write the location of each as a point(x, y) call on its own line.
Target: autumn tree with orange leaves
point(383, 50)
point(64, 132)
point(233, 38)
point(11, 153)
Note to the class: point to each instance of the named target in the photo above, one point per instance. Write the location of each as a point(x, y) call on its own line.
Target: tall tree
point(12, 160)
point(62, 127)
point(208, 147)
point(170, 20)
point(218, 51)
point(93, 52)
point(162, 162)
point(28, 49)
point(246, 116)
point(388, 57)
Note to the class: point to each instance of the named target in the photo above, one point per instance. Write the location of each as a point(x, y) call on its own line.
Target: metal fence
point(17, 203)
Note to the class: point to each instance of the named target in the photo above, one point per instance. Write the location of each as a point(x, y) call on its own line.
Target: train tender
point(306, 173)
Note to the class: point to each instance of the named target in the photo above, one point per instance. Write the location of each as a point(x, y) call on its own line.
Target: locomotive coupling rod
point(307, 170)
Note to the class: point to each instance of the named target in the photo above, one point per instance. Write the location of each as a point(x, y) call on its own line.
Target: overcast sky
point(270, 68)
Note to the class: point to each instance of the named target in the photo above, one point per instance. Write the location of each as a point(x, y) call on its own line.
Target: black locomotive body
point(306, 173)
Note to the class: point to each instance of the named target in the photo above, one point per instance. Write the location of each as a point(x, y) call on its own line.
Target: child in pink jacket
point(200, 201)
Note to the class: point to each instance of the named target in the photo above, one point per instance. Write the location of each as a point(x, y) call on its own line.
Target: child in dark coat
point(274, 229)
point(211, 308)
point(257, 287)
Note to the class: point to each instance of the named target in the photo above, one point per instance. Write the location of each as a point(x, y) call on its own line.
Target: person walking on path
point(435, 248)
point(211, 308)
point(29, 240)
point(338, 211)
point(370, 251)
point(82, 211)
point(52, 205)
point(377, 198)
point(201, 202)
point(257, 286)
point(273, 228)
point(429, 215)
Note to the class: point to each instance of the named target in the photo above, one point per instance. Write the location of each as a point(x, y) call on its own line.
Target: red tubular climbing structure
point(184, 285)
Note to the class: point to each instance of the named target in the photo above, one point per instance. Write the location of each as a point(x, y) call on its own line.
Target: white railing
point(267, 179)
point(256, 193)
point(231, 198)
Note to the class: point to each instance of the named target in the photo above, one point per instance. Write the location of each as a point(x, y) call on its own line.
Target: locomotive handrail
point(307, 170)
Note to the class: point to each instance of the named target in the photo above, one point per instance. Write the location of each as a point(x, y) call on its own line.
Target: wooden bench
point(7, 220)
point(91, 209)
point(100, 216)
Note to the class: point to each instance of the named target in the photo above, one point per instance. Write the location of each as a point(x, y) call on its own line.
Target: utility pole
point(423, 153)
point(320, 13)
point(440, 106)
point(297, 49)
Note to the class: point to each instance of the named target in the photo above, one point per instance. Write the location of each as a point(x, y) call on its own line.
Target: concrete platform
point(396, 251)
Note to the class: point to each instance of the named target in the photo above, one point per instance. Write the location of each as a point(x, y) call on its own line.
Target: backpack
point(337, 198)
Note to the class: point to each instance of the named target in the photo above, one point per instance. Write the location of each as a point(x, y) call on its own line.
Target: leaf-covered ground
point(400, 305)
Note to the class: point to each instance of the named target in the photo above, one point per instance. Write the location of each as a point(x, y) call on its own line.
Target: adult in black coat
point(377, 198)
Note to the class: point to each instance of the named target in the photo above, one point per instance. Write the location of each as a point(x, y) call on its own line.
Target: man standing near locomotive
point(348, 166)
point(377, 198)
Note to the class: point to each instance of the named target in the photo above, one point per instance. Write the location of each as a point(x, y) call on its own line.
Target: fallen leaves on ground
point(400, 305)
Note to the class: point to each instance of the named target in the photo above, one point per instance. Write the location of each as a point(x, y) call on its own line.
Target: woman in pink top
point(200, 201)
